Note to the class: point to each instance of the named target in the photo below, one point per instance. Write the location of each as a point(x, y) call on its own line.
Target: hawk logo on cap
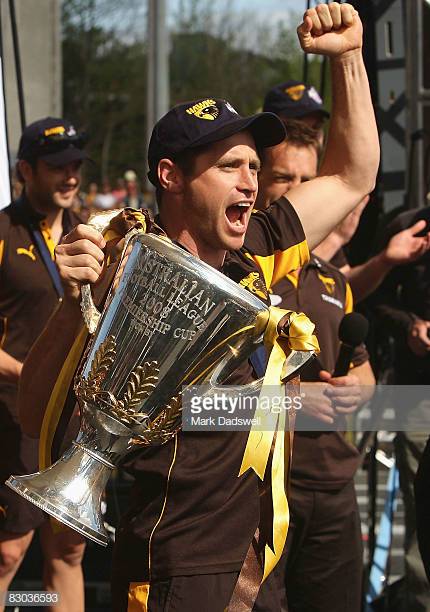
point(206, 109)
point(296, 92)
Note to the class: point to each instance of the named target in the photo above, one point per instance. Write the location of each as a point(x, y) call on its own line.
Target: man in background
point(322, 569)
point(324, 464)
point(296, 100)
point(49, 160)
point(402, 305)
point(301, 108)
point(133, 197)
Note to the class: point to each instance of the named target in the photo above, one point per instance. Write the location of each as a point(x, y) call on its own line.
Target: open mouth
point(237, 214)
point(66, 190)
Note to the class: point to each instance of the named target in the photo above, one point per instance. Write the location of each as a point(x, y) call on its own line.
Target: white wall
point(38, 23)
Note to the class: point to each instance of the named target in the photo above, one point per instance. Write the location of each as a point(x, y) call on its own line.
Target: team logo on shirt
point(295, 92)
point(206, 109)
point(29, 252)
point(255, 285)
point(328, 282)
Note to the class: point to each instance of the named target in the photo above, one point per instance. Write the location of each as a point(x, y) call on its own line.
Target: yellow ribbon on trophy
point(259, 444)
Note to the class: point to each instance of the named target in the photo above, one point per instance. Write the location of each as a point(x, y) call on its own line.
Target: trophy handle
point(295, 361)
point(90, 313)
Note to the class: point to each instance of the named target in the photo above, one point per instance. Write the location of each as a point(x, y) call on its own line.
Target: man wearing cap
point(193, 522)
point(296, 160)
point(290, 163)
point(323, 556)
point(324, 540)
point(49, 158)
point(296, 100)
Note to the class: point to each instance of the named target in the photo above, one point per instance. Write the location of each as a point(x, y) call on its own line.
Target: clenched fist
point(79, 258)
point(331, 29)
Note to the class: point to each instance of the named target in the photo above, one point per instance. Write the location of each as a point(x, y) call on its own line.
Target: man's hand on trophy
point(331, 29)
point(79, 258)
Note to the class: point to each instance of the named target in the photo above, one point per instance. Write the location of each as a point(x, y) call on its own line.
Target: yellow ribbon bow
point(259, 443)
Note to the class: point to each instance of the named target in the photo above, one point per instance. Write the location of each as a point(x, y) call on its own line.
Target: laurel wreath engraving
point(140, 384)
point(103, 359)
point(164, 426)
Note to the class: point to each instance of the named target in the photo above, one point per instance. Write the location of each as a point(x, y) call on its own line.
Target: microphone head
point(353, 329)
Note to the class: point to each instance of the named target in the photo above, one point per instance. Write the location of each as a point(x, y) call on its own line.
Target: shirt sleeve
point(276, 242)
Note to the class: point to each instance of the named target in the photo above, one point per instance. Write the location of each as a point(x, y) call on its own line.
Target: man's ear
point(170, 176)
point(25, 169)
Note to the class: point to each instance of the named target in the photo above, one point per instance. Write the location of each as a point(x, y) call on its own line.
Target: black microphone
point(353, 330)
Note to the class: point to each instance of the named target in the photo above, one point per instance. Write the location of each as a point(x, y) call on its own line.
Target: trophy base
point(70, 491)
point(19, 487)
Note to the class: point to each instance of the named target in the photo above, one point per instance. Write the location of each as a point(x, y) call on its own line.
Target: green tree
point(104, 86)
point(214, 51)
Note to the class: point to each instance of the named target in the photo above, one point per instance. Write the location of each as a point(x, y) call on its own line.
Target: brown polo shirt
point(321, 460)
point(190, 513)
point(27, 293)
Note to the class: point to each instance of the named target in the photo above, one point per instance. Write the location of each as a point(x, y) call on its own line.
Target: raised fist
point(331, 29)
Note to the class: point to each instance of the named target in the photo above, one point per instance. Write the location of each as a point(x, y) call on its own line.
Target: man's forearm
point(10, 368)
point(367, 380)
point(44, 363)
point(328, 248)
point(367, 277)
point(350, 164)
point(352, 151)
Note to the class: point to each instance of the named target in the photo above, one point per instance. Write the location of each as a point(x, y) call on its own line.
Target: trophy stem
point(70, 490)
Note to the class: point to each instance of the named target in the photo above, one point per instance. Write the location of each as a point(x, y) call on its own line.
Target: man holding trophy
point(194, 537)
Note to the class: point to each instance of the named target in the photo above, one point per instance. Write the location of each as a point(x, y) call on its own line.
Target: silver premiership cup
point(170, 321)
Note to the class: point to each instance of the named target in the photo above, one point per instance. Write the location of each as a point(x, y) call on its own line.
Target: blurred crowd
point(102, 196)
